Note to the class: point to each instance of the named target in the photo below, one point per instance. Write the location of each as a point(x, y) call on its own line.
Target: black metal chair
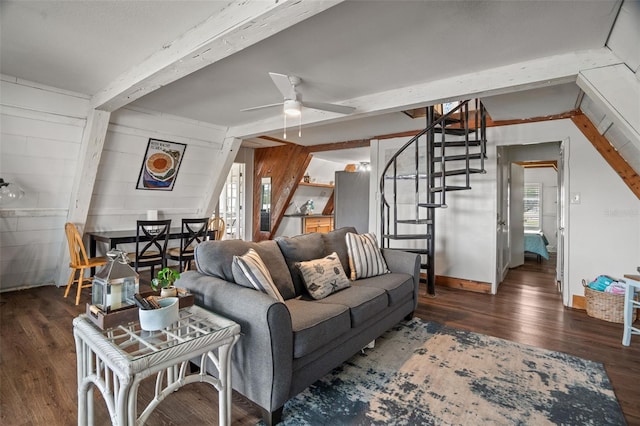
point(194, 231)
point(152, 237)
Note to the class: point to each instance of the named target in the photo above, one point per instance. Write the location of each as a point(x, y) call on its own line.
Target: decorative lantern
point(115, 285)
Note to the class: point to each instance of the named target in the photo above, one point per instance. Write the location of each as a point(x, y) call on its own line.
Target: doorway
point(530, 201)
point(231, 202)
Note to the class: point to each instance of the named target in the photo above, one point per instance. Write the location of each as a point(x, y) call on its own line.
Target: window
point(533, 206)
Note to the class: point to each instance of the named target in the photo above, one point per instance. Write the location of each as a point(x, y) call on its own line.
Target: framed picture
point(161, 164)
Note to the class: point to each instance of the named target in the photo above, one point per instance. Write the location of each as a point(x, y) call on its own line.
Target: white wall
point(41, 137)
point(465, 230)
point(603, 232)
point(41, 132)
point(117, 204)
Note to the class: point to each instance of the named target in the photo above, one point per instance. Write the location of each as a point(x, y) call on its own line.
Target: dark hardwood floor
point(38, 362)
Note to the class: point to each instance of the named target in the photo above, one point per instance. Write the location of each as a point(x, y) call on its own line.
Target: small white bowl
point(158, 319)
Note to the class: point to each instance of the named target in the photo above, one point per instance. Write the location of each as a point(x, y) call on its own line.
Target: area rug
point(422, 373)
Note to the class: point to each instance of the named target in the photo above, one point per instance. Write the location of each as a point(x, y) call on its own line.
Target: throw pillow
point(365, 257)
point(323, 276)
point(250, 271)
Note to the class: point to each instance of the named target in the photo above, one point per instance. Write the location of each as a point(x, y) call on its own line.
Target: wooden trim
point(579, 302)
point(285, 165)
point(538, 164)
point(462, 284)
point(359, 143)
point(609, 153)
point(490, 123)
point(317, 185)
point(272, 139)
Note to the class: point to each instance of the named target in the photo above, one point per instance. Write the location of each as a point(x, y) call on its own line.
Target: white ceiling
point(354, 49)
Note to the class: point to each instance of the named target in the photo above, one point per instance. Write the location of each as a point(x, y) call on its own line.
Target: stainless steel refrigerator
point(351, 200)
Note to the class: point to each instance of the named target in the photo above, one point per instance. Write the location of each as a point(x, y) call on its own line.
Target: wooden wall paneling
point(286, 166)
point(609, 153)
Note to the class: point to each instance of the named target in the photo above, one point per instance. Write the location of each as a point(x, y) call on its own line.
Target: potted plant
point(164, 282)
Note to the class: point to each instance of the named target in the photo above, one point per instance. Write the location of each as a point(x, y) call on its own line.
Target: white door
point(231, 202)
point(516, 215)
point(502, 221)
point(561, 221)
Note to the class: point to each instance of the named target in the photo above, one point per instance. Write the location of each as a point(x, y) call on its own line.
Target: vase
point(170, 291)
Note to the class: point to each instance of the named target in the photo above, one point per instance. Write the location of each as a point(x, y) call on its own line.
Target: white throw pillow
point(365, 257)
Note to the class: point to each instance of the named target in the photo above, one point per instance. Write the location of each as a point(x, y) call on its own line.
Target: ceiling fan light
point(292, 108)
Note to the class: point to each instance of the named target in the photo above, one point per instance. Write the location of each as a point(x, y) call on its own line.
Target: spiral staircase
point(416, 179)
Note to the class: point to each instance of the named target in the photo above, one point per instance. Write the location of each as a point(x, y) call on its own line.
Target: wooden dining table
point(115, 238)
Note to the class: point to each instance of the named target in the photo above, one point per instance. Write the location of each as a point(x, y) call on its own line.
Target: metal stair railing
point(431, 177)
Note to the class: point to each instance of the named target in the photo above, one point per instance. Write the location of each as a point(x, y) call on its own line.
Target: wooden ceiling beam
point(228, 31)
point(609, 153)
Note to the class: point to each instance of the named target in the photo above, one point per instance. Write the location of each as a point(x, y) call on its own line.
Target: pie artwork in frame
point(161, 163)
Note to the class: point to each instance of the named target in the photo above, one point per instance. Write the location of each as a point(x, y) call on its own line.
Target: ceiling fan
point(293, 103)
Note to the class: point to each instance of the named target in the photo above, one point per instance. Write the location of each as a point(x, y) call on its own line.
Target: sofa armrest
point(406, 262)
point(263, 357)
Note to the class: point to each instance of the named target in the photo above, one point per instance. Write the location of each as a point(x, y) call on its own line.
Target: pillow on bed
point(365, 257)
point(323, 277)
point(250, 271)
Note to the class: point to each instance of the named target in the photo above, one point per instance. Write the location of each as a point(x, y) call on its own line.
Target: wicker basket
point(605, 306)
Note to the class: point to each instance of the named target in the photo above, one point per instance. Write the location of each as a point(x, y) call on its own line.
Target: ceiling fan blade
point(284, 85)
point(262, 107)
point(342, 109)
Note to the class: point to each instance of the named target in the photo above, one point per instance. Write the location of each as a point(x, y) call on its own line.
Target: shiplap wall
point(41, 132)
point(41, 135)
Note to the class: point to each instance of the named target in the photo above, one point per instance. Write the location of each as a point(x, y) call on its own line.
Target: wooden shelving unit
point(317, 185)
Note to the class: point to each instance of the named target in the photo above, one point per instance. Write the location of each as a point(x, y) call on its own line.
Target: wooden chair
point(631, 303)
point(152, 237)
point(79, 261)
point(217, 227)
point(194, 231)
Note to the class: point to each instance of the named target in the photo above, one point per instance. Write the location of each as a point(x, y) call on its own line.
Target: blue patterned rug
point(422, 373)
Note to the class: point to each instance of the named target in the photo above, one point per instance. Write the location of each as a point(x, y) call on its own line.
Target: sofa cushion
point(216, 257)
point(300, 249)
point(363, 302)
point(323, 276)
point(365, 257)
point(399, 286)
point(335, 241)
point(250, 271)
point(316, 324)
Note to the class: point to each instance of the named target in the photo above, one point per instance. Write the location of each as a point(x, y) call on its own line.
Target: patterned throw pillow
point(365, 257)
point(250, 271)
point(323, 276)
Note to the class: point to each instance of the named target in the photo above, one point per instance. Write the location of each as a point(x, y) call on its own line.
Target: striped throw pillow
point(250, 271)
point(365, 257)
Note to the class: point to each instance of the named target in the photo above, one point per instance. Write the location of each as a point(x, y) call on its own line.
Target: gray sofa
point(285, 347)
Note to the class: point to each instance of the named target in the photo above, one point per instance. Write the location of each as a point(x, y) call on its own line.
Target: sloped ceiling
point(351, 50)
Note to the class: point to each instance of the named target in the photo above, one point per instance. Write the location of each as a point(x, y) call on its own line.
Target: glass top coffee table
point(116, 360)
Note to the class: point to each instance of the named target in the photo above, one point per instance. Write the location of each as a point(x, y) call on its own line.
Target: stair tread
point(458, 172)
point(472, 143)
point(455, 172)
point(406, 236)
point(450, 188)
point(415, 221)
point(430, 205)
point(471, 156)
point(410, 250)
